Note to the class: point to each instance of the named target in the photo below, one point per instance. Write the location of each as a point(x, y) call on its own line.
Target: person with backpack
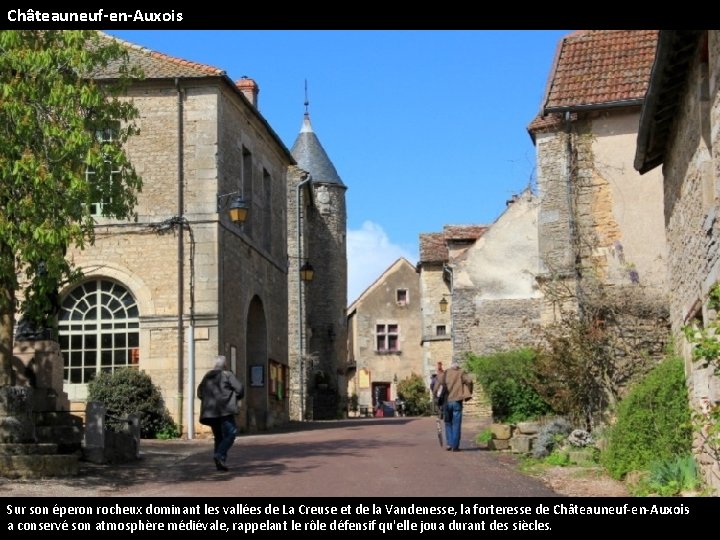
point(219, 393)
point(458, 389)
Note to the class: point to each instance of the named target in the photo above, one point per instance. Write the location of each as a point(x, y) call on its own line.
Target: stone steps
point(36, 460)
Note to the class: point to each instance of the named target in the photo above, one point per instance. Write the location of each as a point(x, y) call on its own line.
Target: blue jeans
point(224, 431)
point(453, 423)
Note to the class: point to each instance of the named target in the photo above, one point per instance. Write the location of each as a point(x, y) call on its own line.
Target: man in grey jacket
point(219, 393)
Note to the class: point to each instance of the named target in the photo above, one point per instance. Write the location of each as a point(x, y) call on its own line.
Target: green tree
point(53, 106)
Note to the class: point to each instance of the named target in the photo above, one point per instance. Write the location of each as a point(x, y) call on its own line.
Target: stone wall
point(433, 289)
point(692, 170)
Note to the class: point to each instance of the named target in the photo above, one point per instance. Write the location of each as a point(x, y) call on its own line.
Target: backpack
point(441, 393)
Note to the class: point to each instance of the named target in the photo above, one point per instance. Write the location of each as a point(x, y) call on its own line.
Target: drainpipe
point(301, 356)
point(448, 269)
point(181, 256)
point(191, 340)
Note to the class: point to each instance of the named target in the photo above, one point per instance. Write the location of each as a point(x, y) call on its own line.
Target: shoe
point(219, 465)
point(449, 448)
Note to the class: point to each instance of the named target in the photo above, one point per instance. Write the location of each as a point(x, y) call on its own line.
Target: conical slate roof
point(311, 156)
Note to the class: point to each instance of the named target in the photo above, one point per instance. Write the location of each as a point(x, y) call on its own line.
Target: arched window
point(98, 326)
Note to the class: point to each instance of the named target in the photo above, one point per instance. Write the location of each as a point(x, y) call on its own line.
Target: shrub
point(507, 379)
point(653, 422)
point(574, 370)
point(414, 393)
point(130, 391)
point(484, 437)
point(669, 478)
point(550, 436)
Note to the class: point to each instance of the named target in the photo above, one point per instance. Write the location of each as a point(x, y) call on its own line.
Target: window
point(91, 177)
point(99, 328)
point(440, 330)
point(386, 337)
point(401, 297)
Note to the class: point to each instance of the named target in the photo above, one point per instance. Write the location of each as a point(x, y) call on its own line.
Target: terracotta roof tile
point(433, 248)
point(594, 67)
point(463, 232)
point(158, 65)
point(549, 122)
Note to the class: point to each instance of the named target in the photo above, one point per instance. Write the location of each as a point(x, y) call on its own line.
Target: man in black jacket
point(219, 393)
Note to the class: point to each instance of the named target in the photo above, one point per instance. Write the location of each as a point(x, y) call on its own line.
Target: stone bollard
point(133, 429)
point(94, 443)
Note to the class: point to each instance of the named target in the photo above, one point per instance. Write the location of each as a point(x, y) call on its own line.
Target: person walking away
point(457, 380)
point(436, 409)
point(219, 393)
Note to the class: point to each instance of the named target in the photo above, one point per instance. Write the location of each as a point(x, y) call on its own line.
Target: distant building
point(497, 301)
point(384, 335)
point(444, 303)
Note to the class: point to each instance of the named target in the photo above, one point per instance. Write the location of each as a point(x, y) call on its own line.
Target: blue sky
point(426, 128)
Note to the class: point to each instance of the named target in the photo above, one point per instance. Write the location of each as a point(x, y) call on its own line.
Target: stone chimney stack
point(250, 90)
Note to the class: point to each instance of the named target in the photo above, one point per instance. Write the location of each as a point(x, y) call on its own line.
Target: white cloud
point(370, 252)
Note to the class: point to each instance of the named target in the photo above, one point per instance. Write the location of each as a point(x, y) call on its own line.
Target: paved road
point(388, 457)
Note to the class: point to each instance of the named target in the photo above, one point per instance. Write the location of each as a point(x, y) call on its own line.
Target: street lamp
point(237, 207)
point(307, 272)
point(443, 305)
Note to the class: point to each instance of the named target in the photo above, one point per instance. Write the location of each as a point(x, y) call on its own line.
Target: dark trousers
point(224, 431)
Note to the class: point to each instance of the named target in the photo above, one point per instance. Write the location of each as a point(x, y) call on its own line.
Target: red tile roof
point(598, 67)
point(463, 232)
point(156, 65)
point(433, 246)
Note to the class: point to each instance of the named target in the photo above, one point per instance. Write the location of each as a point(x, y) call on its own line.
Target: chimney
point(250, 89)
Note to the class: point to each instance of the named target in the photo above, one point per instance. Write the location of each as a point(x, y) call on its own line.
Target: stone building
point(182, 283)
point(496, 299)
point(317, 235)
point(384, 331)
point(679, 130)
point(601, 235)
point(444, 305)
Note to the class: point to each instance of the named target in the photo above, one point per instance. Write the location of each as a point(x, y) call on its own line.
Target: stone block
point(39, 466)
point(499, 444)
point(583, 457)
point(501, 431)
point(528, 428)
point(521, 444)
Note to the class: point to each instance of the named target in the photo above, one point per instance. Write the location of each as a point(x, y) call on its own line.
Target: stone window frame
point(387, 338)
point(441, 330)
point(99, 330)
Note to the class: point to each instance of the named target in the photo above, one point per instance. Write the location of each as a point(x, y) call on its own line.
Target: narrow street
point(383, 457)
